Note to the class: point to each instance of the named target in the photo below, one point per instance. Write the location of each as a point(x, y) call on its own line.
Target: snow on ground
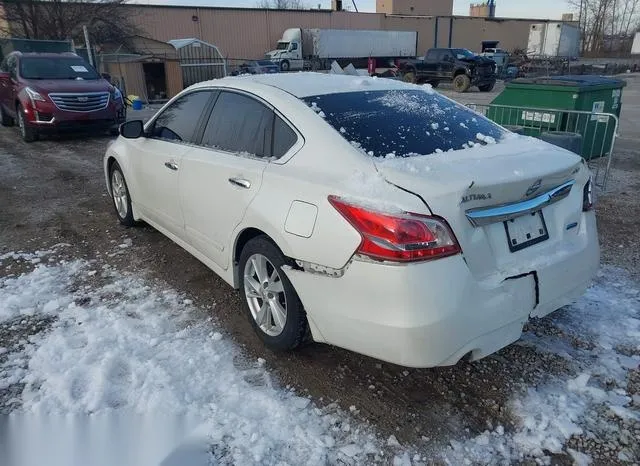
point(606, 326)
point(117, 344)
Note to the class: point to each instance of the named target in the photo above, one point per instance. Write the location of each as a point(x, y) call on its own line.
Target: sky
point(551, 9)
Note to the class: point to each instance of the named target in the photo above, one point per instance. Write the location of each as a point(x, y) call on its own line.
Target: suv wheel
point(461, 83)
point(28, 133)
point(5, 120)
point(487, 87)
point(272, 304)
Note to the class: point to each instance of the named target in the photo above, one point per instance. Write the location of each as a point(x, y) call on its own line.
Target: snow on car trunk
point(117, 344)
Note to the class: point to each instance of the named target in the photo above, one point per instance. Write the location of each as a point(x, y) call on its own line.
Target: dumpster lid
point(580, 81)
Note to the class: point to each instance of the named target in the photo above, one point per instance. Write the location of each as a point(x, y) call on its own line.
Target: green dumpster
point(553, 104)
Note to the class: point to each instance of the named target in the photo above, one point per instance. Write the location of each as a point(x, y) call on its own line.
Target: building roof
point(179, 43)
point(305, 84)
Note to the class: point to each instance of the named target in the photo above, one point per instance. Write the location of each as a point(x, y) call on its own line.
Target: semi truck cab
point(288, 52)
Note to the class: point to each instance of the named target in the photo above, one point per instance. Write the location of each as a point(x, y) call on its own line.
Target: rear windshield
point(56, 68)
point(404, 123)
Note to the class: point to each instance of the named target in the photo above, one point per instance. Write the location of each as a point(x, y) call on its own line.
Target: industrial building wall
point(249, 33)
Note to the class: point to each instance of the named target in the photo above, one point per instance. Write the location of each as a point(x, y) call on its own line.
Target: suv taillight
point(398, 237)
point(588, 196)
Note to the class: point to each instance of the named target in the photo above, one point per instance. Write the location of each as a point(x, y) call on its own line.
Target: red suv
point(50, 92)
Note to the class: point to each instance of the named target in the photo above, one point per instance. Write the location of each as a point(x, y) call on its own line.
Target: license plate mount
point(526, 230)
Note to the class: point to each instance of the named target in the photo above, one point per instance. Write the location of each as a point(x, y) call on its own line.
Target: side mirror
point(133, 129)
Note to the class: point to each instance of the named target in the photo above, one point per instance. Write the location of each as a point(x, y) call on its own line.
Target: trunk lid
point(516, 169)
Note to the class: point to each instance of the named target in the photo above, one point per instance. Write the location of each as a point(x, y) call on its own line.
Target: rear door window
point(404, 122)
point(284, 138)
point(239, 124)
point(180, 121)
point(433, 55)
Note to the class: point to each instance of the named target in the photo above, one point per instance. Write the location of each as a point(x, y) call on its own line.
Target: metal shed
point(199, 60)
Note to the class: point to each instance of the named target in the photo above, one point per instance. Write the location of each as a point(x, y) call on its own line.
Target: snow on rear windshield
point(404, 123)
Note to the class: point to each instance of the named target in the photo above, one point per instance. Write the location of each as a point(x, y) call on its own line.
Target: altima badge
point(534, 187)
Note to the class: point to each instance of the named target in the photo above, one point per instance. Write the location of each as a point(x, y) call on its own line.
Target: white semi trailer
point(553, 39)
point(317, 48)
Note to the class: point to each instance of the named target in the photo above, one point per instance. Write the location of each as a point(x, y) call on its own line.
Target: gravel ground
point(53, 192)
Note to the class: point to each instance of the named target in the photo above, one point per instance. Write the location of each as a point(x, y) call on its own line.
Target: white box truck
point(635, 47)
point(317, 48)
point(553, 39)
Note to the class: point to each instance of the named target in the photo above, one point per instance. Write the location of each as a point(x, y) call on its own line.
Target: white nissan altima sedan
point(367, 213)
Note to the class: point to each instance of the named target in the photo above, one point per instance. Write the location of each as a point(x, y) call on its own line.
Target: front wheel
point(487, 87)
point(5, 120)
point(120, 195)
point(410, 77)
point(272, 304)
point(461, 83)
point(28, 133)
point(285, 65)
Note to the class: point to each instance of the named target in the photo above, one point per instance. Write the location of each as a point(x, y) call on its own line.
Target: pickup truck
point(458, 66)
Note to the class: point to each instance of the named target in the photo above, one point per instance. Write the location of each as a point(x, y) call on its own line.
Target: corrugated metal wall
point(200, 62)
point(173, 74)
point(249, 33)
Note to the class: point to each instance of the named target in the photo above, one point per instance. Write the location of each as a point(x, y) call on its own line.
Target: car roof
point(306, 84)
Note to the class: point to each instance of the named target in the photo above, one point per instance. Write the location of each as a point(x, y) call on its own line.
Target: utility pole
point(88, 44)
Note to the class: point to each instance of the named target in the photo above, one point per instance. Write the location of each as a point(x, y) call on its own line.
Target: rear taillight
point(399, 237)
point(588, 196)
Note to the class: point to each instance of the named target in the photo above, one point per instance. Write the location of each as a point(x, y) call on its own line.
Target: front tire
point(272, 304)
point(410, 76)
point(487, 87)
point(120, 195)
point(28, 134)
point(5, 120)
point(285, 65)
point(461, 83)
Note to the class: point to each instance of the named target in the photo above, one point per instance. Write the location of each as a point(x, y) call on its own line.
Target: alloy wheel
point(119, 190)
point(265, 295)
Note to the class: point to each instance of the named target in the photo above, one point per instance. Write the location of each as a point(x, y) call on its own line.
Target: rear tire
point(5, 120)
point(487, 87)
point(28, 133)
point(461, 83)
point(269, 292)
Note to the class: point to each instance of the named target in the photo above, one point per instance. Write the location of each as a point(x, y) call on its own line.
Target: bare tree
point(283, 4)
point(603, 21)
point(107, 20)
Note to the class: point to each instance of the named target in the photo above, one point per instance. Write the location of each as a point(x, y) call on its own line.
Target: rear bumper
point(434, 313)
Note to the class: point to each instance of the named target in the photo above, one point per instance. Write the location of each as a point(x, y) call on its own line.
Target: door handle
point(241, 182)
point(171, 166)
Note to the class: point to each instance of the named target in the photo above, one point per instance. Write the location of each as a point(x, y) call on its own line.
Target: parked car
point(48, 92)
point(307, 193)
point(257, 67)
point(461, 67)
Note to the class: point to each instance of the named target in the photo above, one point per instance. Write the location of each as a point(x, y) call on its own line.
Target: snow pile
point(608, 316)
point(116, 344)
